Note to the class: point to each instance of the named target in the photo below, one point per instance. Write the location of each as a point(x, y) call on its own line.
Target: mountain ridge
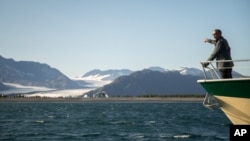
point(33, 74)
point(112, 74)
point(116, 82)
point(147, 82)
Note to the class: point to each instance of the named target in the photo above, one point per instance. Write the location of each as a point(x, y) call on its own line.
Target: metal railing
point(214, 72)
point(210, 101)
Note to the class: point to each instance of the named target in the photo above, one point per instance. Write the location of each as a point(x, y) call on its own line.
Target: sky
point(76, 36)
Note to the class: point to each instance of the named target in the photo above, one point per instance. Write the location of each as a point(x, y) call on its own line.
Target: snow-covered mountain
point(110, 75)
point(189, 71)
point(34, 91)
point(89, 81)
point(160, 69)
point(37, 79)
point(109, 79)
point(107, 74)
point(148, 82)
point(98, 78)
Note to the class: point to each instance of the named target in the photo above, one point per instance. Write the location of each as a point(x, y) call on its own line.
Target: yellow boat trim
point(236, 109)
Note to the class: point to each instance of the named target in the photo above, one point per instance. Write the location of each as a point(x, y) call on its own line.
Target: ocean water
point(111, 121)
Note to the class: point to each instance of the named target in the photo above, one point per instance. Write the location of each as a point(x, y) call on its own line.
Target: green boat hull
point(227, 87)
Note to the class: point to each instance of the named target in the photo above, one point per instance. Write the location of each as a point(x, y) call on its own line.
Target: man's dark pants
point(226, 73)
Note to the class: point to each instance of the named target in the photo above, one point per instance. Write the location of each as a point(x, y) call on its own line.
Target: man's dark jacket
point(221, 52)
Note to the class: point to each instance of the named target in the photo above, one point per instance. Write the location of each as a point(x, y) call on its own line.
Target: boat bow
point(233, 95)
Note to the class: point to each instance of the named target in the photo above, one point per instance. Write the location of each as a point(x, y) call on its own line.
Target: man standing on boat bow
point(221, 53)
